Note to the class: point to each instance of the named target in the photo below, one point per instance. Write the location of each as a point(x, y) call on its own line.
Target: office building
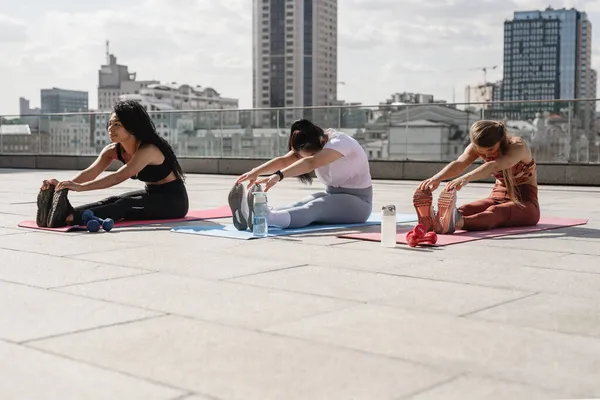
point(547, 55)
point(57, 100)
point(294, 54)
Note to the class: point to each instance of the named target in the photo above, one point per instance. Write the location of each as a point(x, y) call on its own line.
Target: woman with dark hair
point(513, 200)
point(146, 157)
point(338, 161)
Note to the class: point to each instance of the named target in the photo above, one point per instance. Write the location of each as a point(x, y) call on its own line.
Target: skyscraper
point(294, 54)
point(547, 55)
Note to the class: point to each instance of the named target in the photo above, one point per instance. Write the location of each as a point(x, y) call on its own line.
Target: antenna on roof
point(107, 53)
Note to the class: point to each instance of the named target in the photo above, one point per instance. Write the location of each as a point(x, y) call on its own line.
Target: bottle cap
point(389, 209)
point(260, 197)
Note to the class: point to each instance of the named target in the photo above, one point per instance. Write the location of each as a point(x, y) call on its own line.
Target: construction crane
point(485, 70)
point(484, 87)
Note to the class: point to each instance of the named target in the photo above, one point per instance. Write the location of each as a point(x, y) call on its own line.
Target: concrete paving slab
point(47, 271)
point(224, 302)
point(547, 360)
point(204, 264)
point(230, 363)
point(341, 254)
point(32, 374)
point(511, 276)
point(62, 244)
point(452, 298)
point(472, 387)
point(36, 313)
point(9, 231)
point(565, 314)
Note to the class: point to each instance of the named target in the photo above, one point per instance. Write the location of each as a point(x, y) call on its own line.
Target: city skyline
point(383, 46)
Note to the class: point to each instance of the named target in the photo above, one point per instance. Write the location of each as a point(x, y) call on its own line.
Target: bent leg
point(339, 208)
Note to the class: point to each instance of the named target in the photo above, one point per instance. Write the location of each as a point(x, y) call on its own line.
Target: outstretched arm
point(515, 154)
point(456, 167)
point(90, 173)
point(276, 164)
point(451, 170)
point(140, 159)
point(309, 164)
point(97, 167)
point(303, 166)
point(269, 167)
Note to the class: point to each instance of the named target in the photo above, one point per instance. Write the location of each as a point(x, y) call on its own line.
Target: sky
point(384, 46)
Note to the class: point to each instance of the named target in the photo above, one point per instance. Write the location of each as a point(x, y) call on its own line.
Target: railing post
point(221, 134)
point(406, 133)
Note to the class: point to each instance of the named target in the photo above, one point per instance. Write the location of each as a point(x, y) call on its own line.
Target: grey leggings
point(334, 206)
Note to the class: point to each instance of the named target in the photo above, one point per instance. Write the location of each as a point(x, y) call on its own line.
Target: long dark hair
point(135, 119)
point(305, 136)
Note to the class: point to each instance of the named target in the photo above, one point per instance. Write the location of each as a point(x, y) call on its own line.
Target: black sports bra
point(150, 173)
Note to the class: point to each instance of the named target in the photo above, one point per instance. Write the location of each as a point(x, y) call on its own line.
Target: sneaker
point(60, 210)
point(423, 203)
point(447, 213)
point(253, 189)
point(239, 206)
point(44, 202)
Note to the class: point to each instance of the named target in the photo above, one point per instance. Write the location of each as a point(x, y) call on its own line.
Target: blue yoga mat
point(229, 231)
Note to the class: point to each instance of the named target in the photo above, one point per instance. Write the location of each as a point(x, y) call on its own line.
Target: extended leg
point(302, 201)
point(104, 208)
point(476, 206)
point(142, 207)
point(503, 215)
point(109, 200)
point(340, 208)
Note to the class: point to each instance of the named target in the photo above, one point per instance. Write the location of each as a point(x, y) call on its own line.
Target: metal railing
point(559, 131)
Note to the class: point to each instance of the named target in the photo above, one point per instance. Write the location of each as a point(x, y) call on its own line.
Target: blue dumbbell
point(93, 223)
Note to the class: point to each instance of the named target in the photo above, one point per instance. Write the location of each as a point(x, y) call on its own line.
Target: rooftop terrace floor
point(144, 313)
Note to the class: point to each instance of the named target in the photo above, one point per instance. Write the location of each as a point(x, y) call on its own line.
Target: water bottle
point(260, 227)
point(388, 226)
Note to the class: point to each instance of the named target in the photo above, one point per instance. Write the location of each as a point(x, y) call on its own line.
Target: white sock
point(279, 218)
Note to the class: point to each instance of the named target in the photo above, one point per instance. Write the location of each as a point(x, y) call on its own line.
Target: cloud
point(199, 43)
point(384, 46)
point(12, 30)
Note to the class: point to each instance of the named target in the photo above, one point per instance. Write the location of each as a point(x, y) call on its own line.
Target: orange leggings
point(499, 211)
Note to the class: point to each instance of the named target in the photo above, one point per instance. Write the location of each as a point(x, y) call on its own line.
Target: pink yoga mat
point(220, 212)
point(464, 236)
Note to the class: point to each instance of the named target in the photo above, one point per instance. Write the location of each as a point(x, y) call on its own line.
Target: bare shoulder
point(519, 145)
point(109, 151)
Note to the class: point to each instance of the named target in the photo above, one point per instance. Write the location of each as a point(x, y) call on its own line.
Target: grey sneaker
point(253, 189)
point(44, 203)
point(448, 214)
point(60, 210)
point(238, 204)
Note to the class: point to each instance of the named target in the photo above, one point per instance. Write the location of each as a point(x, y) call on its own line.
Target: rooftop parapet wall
point(548, 174)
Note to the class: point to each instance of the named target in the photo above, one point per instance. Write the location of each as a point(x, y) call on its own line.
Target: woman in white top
point(339, 162)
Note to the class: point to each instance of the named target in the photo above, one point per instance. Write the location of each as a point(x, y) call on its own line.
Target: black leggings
point(156, 202)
